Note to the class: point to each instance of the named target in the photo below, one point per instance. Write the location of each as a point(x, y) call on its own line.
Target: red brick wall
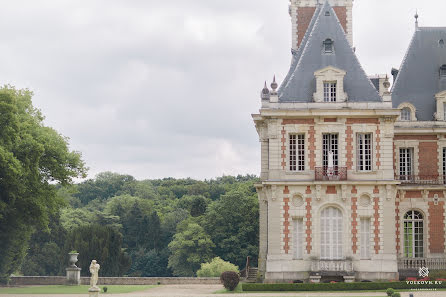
point(308, 216)
point(312, 147)
point(413, 194)
point(415, 137)
point(331, 190)
point(349, 147)
point(297, 121)
point(362, 121)
point(286, 223)
point(341, 13)
point(436, 227)
point(304, 15)
point(428, 159)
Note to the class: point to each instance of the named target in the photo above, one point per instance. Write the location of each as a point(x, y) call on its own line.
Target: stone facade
point(379, 210)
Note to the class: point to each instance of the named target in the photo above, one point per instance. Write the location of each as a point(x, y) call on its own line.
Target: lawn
point(69, 289)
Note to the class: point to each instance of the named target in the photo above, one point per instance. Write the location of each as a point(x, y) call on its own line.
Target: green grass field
point(113, 289)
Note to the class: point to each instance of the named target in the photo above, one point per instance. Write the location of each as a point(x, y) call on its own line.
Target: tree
point(215, 268)
point(33, 158)
point(190, 247)
point(233, 224)
point(101, 243)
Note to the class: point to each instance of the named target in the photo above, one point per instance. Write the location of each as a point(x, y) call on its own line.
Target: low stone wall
point(61, 280)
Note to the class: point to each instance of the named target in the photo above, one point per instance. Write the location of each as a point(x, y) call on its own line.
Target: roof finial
point(274, 85)
point(416, 20)
point(265, 95)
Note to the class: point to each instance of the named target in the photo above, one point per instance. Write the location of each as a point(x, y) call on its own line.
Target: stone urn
point(73, 259)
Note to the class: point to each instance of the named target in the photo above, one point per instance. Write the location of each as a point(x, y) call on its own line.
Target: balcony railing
point(421, 179)
point(330, 173)
point(417, 263)
point(331, 265)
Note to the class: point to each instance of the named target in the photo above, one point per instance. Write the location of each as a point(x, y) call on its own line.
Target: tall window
point(331, 233)
point(406, 157)
point(444, 165)
point(443, 70)
point(329, 91)
point(365, 238)
point(406, 114)
point(297, 152)
point(328, 45)
point(329, 143)
point(364, 151)
point(298, 228)
point(413, 234)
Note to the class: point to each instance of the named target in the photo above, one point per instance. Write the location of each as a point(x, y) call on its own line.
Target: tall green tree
point(101, 243)
point(33, 158)
point(233, 225)
point(190, 247)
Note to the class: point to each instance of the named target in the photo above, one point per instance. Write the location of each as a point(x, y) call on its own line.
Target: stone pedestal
point(94, 292)
point(315, 278)
point(349, 278)
point(73, 276)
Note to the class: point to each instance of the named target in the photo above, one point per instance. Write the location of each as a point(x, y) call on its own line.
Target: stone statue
point(94, 270)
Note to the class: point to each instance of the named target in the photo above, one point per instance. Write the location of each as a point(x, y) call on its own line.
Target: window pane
point(364, 152)
point(298, 238)
point(365, 238)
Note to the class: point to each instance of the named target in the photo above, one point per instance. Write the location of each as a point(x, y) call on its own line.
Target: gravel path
point(208, 291)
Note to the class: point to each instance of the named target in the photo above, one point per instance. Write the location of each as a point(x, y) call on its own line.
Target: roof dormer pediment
point(329, 70)
point(442, 94)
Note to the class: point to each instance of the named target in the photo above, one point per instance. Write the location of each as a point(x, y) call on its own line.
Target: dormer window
point(406, 114)
point(328, 46)
point(329, 91)
point(443, 71)
point(327, 13)
point(330, 85)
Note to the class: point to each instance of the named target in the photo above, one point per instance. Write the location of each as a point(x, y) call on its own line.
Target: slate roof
point(300, 83)
point(419, 77)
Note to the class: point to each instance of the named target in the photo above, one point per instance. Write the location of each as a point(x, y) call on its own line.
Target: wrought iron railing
point(421, 179)
point(330, 173)
point(417, 263)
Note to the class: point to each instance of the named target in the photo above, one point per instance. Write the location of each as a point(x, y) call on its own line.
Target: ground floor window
point(298, 229)
point(413, 234)
point(331, 233)
point(365, 238)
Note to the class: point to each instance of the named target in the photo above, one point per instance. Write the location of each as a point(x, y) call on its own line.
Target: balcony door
point(405, 170)
point(330, 144)
point(331, 234)
point(413, 234)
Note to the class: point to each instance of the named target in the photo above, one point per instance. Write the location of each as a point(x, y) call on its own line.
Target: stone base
point(315, 279)
point(349, 279)
point(94, 292)
point(73, 276)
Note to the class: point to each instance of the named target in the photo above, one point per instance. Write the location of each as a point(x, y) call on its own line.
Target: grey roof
point(419, 77)
point(300, 85)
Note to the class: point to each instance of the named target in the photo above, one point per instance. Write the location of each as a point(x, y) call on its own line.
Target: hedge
point(339, 286)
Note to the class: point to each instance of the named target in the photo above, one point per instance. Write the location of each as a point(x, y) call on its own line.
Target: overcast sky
point(157, 88)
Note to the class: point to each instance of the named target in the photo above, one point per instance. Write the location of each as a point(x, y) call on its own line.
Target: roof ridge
point(403, 63)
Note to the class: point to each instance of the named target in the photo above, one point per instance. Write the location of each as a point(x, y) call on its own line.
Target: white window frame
point(364, 152)
point(297, 152)
point(406, 114)
point(444, 165)
point(330, 142)
point(365, 226)
point(331, 234)
point(413, 224)
point(443, 71)
point(405, 163)
point(330, 88)
point(298, 243)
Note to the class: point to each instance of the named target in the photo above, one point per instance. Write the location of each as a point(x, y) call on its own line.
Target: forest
point(161, 227)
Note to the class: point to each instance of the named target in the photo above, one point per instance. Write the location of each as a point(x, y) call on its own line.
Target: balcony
point(332, 265)
point(330, 174)
point(417, 263)
point(421, 179)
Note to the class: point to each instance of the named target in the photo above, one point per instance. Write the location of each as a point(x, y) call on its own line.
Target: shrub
point(215, 268)
point(335, 287)
point(105, 289)
point(396, 294)
point(437, 274)
point(390, 291)
point(230, 280)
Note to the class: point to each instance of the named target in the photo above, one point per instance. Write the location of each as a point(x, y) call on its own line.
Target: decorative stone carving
point(94, 270)
point(344, 193)
point(73, 272)
point(297, 201)
point(389, 192)
point(365, 201)
point(318, 192)
point(273, 193)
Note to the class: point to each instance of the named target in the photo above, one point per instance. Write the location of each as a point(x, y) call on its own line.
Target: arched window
point(413, 234)
point(443, 71)
point(406, 114)
point(331, 233)
point(328, 45)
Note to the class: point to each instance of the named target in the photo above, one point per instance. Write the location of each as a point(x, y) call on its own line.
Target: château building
point(353, 173)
